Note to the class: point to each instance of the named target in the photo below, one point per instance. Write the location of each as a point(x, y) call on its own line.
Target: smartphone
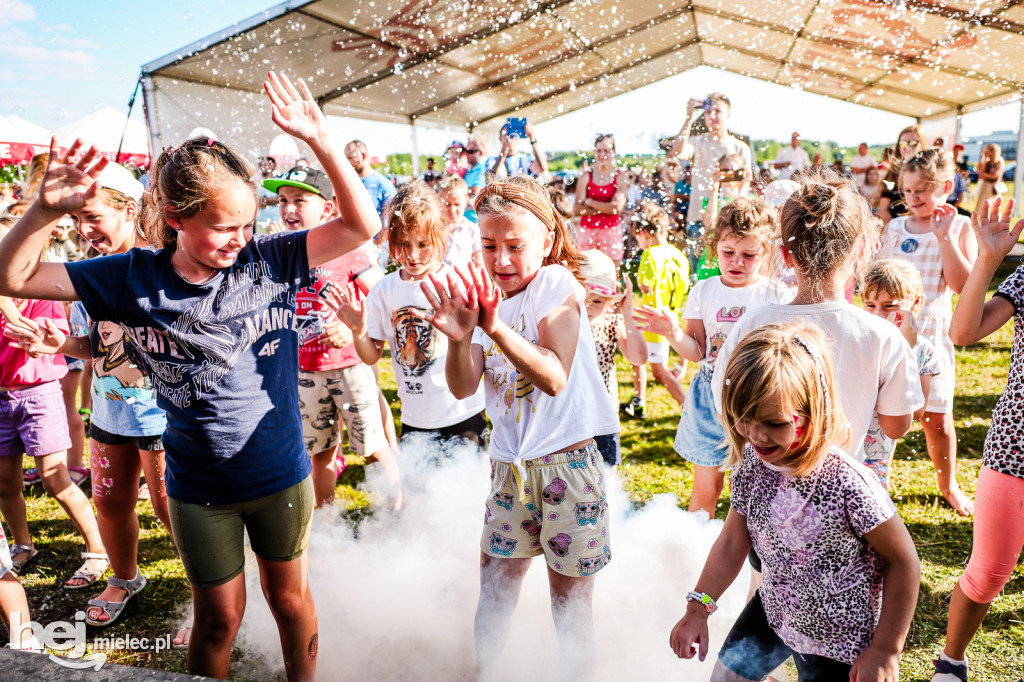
point(515, 127)
point(708, 104)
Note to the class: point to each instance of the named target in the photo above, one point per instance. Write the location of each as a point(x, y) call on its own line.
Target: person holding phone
point(706, 150)
point(510, 161)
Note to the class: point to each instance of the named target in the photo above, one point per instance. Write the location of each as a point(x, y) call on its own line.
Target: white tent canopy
point(104, 128)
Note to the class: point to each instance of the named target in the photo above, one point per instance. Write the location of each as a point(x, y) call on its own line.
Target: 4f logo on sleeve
point(270, 347)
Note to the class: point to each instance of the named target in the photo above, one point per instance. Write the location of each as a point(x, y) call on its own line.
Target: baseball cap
point(306, 178)
point(120, 179)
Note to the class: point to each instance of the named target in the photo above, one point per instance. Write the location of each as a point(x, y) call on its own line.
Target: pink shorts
point(608, 240)
point(33, 421)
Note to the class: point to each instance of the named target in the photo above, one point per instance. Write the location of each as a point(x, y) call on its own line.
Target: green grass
point(650, 467)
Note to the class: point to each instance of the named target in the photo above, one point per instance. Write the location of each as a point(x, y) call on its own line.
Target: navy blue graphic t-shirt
point(223, 358)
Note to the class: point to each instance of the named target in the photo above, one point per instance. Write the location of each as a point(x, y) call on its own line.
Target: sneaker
point(949, 672)
point(633, 409)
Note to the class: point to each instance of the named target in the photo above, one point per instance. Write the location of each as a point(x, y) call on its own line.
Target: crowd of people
point(229, 326)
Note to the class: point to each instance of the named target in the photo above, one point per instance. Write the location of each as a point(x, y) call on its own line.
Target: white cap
point(120, 179)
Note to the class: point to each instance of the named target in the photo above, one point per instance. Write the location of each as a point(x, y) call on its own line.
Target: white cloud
point(31, 62)
point(15, 11)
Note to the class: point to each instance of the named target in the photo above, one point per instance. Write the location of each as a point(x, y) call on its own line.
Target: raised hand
point(991, 224)
point(351, 313)
point(298, 115)
point(942, 220)
point(655, 320)
point(336, 334)
point(627, 297)
point(34, 339)
point(488, 295)
point(68, 184)
point(455, 314)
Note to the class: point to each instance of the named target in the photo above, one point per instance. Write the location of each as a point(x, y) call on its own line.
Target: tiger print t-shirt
point(418, 353)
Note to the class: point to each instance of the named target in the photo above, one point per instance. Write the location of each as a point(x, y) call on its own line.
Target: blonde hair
point(453, 183)
point(651, 218)
point(522, 197)
point(744, 217)
point(34, 176)
point(113, 198)
point(823, 223)
point(997, 153)
point(934, 165)
point(896, 277)
point(415, 207)
point(791, 361)
point(184, 179)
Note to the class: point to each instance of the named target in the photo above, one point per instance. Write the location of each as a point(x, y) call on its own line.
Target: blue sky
point(60, 61)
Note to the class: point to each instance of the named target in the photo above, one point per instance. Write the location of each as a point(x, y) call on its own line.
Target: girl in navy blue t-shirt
point(211, 317)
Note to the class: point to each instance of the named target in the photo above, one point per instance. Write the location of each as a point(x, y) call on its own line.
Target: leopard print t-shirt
point(1004, 451)
point(822, 588)
point(607, 329)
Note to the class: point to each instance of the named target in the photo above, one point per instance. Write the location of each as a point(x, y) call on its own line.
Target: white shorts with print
point(657, 352)
point(349, 394)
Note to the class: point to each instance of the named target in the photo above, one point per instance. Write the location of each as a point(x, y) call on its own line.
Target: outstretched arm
point(633, 346)
point(67, 185)
point(665, 323)
point(299, 116)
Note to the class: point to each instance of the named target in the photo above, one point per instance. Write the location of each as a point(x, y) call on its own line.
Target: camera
point(515, 128)
point(733, 175)
point(708, 104)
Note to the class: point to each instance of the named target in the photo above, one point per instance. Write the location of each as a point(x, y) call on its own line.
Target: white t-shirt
point(797, 158)
point(876, 370)
point(418, 353)
point(720, 307)
point(528, 423)
point(860, 161)
point(706, 153)
point(463, 242)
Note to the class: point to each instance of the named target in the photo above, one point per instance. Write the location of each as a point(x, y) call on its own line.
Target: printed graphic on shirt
point(187, 360)
point(115, 375)
point(415, 341)
point(512, 387)
point(310, 307)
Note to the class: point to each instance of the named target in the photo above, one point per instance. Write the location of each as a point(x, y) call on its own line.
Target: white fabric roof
point(474, 62)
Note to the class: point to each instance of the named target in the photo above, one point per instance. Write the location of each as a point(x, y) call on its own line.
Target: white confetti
point(129, 400)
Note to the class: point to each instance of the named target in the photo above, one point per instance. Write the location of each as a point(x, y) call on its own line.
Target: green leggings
point(210, 538)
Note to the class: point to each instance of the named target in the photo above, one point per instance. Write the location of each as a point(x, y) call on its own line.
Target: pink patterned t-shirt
point(822, 588)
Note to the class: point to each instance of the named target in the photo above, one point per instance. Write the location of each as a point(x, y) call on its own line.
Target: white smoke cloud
point(397, 599)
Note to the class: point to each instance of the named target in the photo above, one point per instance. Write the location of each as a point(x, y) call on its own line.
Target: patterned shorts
point(333, 396)
point(563, 517)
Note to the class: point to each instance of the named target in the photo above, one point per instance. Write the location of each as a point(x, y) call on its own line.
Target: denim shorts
point(608, 446)
point(700, 438)
point(33, 421)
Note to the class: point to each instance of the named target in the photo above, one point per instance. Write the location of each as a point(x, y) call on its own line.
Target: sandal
point(30, 477)
point(85, 476)
point(89, 575)
point(18, 566)
point(113, 609)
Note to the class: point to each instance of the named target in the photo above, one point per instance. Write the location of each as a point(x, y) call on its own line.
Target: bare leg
point(708, 483)
point(56, 482)
point(500, 583)
point(12, 600)
point(115, 513)
point(154, 466)
point(669, 381)
point(572, 610)
point(389, 463)
point(325, 476)
point(286, 588)
point(965, 617)
point(12, 501)
point(218, 614)
point(940, 435)
point(69, 387)
point(388, 418)
point(640, 382)
point(723, 674)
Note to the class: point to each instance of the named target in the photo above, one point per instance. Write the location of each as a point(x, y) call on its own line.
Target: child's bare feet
point(963, 505)
point(181, 639)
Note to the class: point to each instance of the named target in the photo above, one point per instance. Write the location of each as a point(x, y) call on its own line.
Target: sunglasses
point(911, 144)
point(472, 151)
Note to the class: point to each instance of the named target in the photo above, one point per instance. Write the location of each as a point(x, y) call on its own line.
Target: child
point(663, 278)
point(741, 239)
point(335, 387)
point(825, 233)
point(840, 570)
point(210, 317)
point(416, 236)
point(999, 511)
point(942, 247)
point(126, 426)
point(463, 233)
point(33, 421)
point(522, 326)
point(893, 290)
point(611, 330)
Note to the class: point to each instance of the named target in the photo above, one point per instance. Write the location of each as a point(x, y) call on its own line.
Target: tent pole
point(1018, 184)
point(415, 140)
point(957, 122)
point(152, 119)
